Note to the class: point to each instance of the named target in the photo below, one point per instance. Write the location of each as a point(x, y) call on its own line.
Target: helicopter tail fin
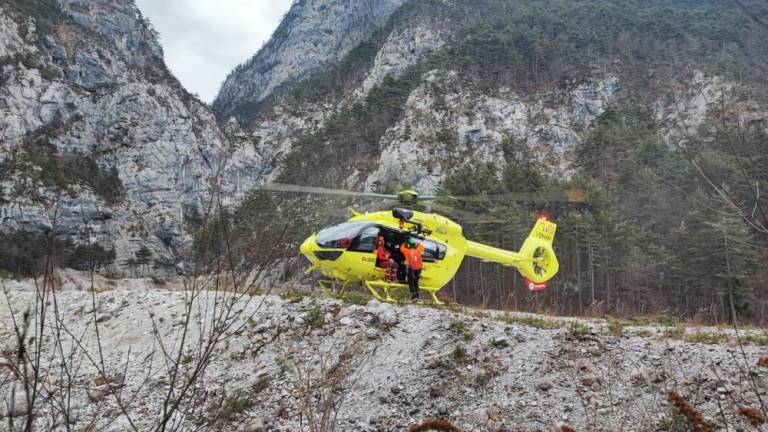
point(540, 262)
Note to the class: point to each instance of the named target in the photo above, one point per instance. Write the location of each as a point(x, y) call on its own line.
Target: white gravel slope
point(513, 377)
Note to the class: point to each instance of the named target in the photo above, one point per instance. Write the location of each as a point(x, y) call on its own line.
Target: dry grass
point(434, 425)
point(754, 416)
point(695, 419)
point(763, 361)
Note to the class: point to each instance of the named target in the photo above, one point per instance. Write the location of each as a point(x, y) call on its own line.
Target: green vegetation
point(261, 385)
point(315, 316)
point(516, 44)
point(25, 254)
point(753, 339)
point(578, 329)
point(499, 343)
point(332, 81)
point(235, 403)
point(484, 378)
point(528, 44)
point(293, 296)
point(47, 13)
point(715, 338)
point(460, 355)
point(461, 329)
point(530, 321)
point(356, 297)
point(653, 235)
point(674, 422)
point(646, 320)
point(139, 263)
point(87, 257)
point(41, 163)
point(615, 327)
point(342, 146)
point(30, 61)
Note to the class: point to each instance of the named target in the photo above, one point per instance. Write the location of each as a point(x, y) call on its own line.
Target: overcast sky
point(204, 40)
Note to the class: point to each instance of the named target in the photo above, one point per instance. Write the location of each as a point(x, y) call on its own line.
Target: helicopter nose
point(306, 247)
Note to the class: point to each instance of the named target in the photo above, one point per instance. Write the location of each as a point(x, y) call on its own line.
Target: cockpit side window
point(341, 236)
point(433, 251)
point(367, 241)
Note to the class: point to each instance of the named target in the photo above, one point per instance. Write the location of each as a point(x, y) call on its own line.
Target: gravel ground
point(389, 366)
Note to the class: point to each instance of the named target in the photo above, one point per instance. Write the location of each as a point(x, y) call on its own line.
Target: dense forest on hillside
point(653, 237)
point(534, 48)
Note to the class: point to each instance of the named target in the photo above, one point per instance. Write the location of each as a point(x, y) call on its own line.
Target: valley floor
point(388, 367)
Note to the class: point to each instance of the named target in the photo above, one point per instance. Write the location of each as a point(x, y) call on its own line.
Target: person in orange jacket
point(413, 251)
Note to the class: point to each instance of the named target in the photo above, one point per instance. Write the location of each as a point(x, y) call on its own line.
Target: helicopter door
point(364, 247)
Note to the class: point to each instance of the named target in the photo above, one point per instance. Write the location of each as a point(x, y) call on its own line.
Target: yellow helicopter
point(347, 253)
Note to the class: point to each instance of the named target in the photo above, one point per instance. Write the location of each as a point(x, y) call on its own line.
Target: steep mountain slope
point(313, 33)
point(99, 141)
point(452, 81)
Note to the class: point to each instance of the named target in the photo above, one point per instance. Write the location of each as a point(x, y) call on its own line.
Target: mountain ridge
point(312, 34)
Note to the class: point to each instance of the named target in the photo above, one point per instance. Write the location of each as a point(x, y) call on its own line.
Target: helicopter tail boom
point(536, 260)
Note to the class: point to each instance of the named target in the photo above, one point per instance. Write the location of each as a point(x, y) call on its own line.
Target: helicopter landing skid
point(333, 288)
point(373, 287)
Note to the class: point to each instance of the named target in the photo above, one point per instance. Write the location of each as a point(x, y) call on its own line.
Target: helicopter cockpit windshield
point(358, 234)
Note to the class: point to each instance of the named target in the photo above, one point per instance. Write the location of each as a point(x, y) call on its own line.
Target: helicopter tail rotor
point(540, 263)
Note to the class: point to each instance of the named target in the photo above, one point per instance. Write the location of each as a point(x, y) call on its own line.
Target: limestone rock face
point(312, 34)
point(403, 47)
point(446, 125)
point(92, 83)
point(11, 42)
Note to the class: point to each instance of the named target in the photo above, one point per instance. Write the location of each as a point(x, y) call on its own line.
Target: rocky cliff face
point(446, 125)
point(312, 34)
point(446, 121)
point(449, 117)
point(84, 84)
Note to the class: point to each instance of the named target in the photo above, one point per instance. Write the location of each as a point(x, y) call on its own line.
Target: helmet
point(411, 241)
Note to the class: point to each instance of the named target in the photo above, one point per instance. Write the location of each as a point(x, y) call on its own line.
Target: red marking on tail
point(534, 287)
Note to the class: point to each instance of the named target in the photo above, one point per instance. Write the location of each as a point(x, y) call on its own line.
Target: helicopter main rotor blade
point(573, 195)
point(279, 187)
point(465, 216)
